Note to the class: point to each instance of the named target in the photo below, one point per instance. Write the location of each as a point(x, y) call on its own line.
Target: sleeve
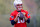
point(13, 22)
point(12, 16)
point(27, 14)
point(28, 21)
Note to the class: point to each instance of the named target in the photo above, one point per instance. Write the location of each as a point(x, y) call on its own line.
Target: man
point(14, 17)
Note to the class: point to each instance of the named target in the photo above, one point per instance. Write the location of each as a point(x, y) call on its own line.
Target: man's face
point(19, 7)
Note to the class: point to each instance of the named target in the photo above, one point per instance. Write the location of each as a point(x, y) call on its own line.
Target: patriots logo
point(12, 16)
point(28, 14)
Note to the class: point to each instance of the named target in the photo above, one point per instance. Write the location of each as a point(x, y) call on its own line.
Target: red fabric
point(28, 16)
point(20, 25)
point(14, 13)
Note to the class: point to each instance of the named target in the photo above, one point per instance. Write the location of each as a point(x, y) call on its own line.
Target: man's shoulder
point(25, 10)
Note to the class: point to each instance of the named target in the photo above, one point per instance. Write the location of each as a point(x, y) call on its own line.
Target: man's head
point(18, 5)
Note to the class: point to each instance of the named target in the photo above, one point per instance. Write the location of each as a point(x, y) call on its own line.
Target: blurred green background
point(32, 6)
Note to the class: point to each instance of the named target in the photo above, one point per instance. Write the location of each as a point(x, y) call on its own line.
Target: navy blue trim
point(28, 21)
point(13, 22)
